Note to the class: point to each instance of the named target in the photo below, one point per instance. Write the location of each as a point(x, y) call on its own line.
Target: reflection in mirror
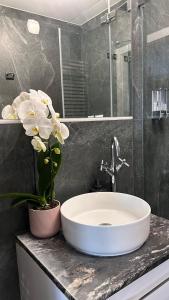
point(79, 56)
point(121, 57)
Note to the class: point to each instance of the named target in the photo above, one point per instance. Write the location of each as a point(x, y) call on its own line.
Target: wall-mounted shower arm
point(112, 10)
point(108, 17)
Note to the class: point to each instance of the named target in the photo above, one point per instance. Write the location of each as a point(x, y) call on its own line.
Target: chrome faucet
point(116, 163)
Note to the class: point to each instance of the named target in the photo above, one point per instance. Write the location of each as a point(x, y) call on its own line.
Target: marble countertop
point(82, 277)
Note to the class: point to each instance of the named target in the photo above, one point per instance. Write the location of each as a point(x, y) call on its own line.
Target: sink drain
point(105, 224)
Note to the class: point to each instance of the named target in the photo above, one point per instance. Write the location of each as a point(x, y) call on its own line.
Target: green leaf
point(20, 202)
point(18, 195)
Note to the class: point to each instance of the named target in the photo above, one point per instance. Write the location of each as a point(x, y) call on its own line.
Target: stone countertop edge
point(159, 229)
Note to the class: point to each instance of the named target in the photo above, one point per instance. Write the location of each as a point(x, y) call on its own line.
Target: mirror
point(79, 53)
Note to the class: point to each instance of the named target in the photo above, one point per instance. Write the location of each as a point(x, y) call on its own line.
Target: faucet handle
point(103, 165)
point(123, 163)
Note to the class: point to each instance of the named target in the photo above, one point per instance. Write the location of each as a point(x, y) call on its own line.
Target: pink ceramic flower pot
point(44, 223)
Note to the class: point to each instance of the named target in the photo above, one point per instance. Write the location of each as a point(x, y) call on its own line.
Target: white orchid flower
point(38, 125)
point(38, 145)
point(35, 96)
point(47, 100)
point(33, 92)
point(60, 131)
point(18, 100)
point(32, 109)
point(44, 98)
point(9, 113)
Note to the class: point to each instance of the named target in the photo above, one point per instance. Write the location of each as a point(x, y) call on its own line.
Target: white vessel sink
point(105, 223)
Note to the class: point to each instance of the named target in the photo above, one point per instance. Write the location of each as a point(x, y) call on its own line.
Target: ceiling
point(73, 11)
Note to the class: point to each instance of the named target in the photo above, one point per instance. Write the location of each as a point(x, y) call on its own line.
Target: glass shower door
point(95, 60)
point(121, 80)
point(120, 64)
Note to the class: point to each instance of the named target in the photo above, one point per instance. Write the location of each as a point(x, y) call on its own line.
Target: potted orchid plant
point(41, 122)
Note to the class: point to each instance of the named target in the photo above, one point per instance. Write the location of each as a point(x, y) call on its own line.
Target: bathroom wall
point(16, 175)
point(88, 144)
point(33, 58)
point(86, 77)
point(150, 71)
point(35, 61)
point(156, 133)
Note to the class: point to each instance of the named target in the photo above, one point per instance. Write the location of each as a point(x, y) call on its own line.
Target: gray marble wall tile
point(156, 163)
point(156, 15)
point(33, 58)
point(94, 54)
point(9, 288)
point(89, 143)
point(16, 174)
point(71, 45)
point(152, 136)
point(156, 75)
point(156, 72)
point(156, 52)
point(29, 56)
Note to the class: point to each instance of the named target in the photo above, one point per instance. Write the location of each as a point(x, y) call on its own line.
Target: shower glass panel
point(121, 60)
point(156, 52)
point(121, 80)
point(95, 49)
point(156, 78)
point(95, 65)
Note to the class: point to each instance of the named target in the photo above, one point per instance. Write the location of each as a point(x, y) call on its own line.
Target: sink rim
point(101, 227)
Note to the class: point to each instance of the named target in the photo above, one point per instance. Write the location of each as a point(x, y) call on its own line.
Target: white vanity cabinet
point(35, 284)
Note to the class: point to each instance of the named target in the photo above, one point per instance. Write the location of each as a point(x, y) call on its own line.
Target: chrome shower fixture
point(111, 14)
point(108, 17)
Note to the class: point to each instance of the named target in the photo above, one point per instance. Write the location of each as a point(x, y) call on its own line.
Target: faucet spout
point(116, 163)
point(115, 153)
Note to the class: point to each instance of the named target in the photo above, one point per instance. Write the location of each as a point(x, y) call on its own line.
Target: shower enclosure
point(95, 65)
